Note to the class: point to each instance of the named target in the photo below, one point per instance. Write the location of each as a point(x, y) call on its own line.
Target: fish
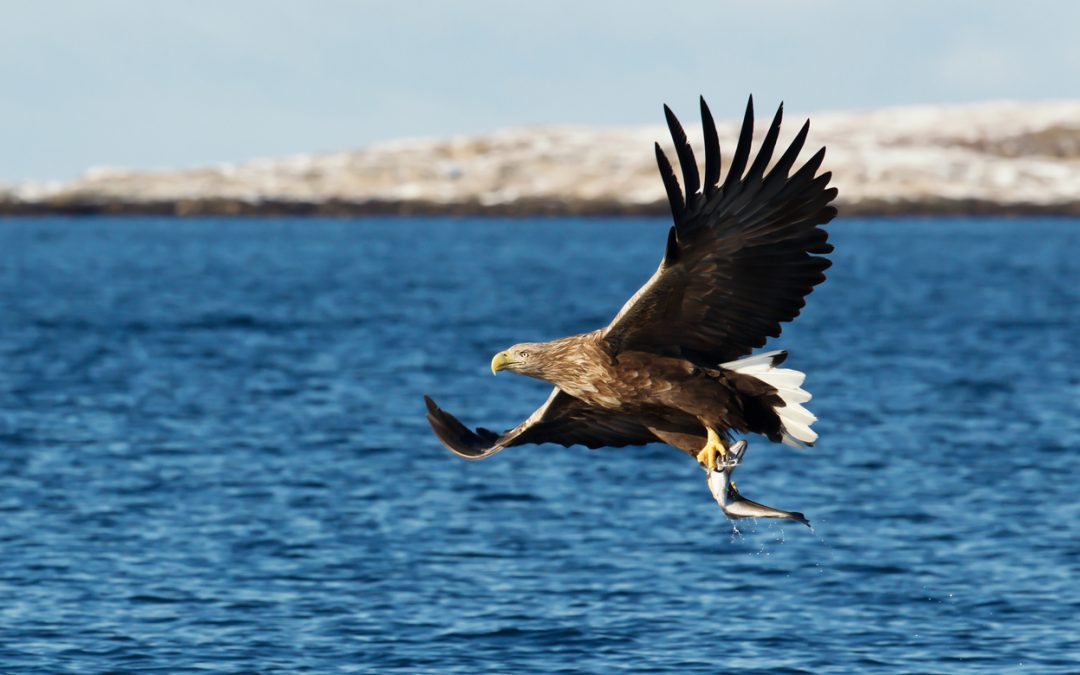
point(734, 505)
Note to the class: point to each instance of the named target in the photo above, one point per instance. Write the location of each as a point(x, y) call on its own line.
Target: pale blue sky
point(147, 84)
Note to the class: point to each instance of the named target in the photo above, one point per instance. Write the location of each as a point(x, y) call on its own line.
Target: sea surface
point(214, 458)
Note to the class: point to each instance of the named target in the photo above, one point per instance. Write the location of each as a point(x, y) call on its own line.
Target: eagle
point(676, 364)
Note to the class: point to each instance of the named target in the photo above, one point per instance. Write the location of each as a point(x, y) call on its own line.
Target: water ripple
point(213, 457)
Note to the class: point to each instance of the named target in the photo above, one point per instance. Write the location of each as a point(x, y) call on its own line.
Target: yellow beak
point(500, 361)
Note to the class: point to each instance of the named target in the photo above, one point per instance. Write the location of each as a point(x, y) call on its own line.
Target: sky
point(148, 84)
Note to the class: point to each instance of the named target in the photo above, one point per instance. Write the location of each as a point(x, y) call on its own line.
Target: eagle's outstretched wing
point(562, 419)
point(743, 254)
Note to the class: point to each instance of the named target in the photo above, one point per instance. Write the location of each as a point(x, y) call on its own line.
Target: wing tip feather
point(712, 148)
point(671, 184)
point(687, 161)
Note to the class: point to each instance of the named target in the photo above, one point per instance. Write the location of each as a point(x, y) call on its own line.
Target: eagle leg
point(714, 447)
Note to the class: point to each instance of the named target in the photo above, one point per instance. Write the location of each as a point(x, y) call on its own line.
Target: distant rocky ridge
point(982, 158)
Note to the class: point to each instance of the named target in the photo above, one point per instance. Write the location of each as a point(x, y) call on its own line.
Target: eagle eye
point(524, 355)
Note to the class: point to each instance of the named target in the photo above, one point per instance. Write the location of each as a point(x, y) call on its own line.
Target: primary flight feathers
point(741, 256)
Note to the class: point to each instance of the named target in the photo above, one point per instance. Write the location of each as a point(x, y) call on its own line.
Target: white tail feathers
point(795, 420)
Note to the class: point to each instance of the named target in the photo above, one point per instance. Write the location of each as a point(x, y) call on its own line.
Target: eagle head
point(526, 358)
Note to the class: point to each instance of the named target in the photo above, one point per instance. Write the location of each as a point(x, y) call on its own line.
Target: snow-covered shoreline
point(981, 158)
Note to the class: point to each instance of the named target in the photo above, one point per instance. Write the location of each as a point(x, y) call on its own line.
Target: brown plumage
point(740, 259)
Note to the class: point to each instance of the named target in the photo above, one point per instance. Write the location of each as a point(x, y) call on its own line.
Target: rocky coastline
point(979, 159)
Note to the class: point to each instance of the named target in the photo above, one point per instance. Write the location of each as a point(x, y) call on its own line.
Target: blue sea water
point(213, 457)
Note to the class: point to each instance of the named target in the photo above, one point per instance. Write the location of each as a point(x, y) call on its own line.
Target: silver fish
point(734, 504)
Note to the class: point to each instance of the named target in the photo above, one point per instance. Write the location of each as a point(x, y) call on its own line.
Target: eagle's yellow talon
point(707, 457)
point(714, 447)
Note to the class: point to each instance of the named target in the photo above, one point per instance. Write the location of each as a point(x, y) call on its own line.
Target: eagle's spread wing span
point(562, 419)
point(743, 254)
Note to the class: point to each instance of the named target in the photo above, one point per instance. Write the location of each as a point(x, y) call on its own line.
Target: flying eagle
point(674, 365)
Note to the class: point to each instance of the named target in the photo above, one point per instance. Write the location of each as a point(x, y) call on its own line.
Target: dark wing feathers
point(458, 437)
point(562, 419)
point(570, 421)
point(757, 169)
point(671, 184)
point(745, 254)
point(685, 154)
point(742, 149)
point(712, 149)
